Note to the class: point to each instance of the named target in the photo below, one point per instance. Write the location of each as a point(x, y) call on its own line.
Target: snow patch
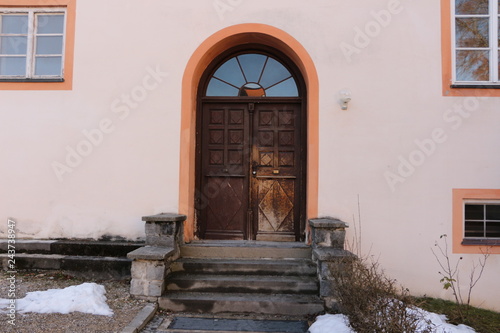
point(86, 298)
point(339, 323)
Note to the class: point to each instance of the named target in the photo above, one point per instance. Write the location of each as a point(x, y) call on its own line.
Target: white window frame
point(494, 47)
point(31, 47)
point(478, 202)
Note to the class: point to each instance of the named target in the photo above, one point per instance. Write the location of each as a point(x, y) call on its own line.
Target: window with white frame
point(476, 42)
point(482, 220)
point(32, 43)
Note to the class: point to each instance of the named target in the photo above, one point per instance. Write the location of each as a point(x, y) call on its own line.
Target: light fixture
point(344, 98)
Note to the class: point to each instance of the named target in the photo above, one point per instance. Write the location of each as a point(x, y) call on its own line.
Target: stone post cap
point(165, 217)
point(328, 222)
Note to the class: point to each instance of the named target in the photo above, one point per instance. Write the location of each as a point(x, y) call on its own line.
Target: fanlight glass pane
point(273, 73)
point(252, 75)
point(471, 7)
point(218, 88)
point(13, 44)
point(231, 73)
point(287, 88)
point(252, 65)
point(14, 24)
point(473, 66)
point(50, 24)
point(48, 66)
point(13, 66)
point(472, 32)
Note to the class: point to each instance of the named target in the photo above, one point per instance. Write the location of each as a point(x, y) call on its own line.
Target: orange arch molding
point(201, 58)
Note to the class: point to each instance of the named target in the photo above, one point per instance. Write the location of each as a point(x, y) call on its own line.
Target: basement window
point(481, 222)
point(32, 44)
point(476, 221)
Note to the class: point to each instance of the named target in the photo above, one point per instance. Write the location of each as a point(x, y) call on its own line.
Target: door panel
point(223, 195)
point(276, 170)
point(251, 171)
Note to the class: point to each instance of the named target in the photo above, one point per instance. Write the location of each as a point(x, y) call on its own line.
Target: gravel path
point(124, 307)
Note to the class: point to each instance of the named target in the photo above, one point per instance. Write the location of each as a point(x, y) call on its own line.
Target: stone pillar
point(164, 230)
point(151, 263)
point(328, 233)
point(328, 236)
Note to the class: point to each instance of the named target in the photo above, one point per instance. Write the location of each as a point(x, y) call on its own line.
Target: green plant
point(451, 276)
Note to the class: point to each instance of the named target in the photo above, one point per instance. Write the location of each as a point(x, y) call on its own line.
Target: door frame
point(300, 227)
point(201, 57)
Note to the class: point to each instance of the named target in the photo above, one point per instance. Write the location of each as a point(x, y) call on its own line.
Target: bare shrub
point(451, 278)
point(372, 301)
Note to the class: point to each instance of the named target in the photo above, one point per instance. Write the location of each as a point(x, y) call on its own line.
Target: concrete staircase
point(89, 259)
point(269, 278)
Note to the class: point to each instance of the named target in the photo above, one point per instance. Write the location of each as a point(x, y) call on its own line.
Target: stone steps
point(73, 247)
point(271, 278)
point(291, 305)
point(89, 259)
point(246, 250)
point(231, 266)
point(242, 284)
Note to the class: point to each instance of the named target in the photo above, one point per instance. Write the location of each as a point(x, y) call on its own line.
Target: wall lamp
point(344, 98)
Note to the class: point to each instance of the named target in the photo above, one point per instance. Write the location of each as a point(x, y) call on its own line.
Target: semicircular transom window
point(252, 75)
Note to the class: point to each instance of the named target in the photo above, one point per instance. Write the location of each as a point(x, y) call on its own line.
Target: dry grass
point(372, 301)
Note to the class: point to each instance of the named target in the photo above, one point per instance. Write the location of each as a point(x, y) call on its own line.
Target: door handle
point(255, 166)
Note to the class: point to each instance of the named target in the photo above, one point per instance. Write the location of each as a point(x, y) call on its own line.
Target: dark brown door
point(251, 171)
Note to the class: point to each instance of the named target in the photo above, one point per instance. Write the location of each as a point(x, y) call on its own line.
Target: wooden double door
point(251, 170)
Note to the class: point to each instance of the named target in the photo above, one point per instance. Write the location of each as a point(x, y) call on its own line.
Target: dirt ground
point(124, 307)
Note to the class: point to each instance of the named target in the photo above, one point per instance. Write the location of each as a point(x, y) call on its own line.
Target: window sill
point(32, 80)
point(479, 241)
point(475, 86)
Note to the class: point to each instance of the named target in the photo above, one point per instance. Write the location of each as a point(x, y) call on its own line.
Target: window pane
point(493, 212)
point(48, 66)
point(473, 66)
point(464, 7)
point(13, 45)
point(13, 66)
point(219, 88)
point(252, 65)
point(474, 212)
point(14, 24)
point(49, 45)
point(273, 73)
point(474, 229)
point(50, 24)
point(286, 88)
point(493, 229)
point(472, 32)
point(230, 72)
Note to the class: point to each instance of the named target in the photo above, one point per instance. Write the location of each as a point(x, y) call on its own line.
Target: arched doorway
point(251, 147)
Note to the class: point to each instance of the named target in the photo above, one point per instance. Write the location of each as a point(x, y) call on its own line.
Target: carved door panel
point(250, 171)
point(276, 171)
point(223, 193)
